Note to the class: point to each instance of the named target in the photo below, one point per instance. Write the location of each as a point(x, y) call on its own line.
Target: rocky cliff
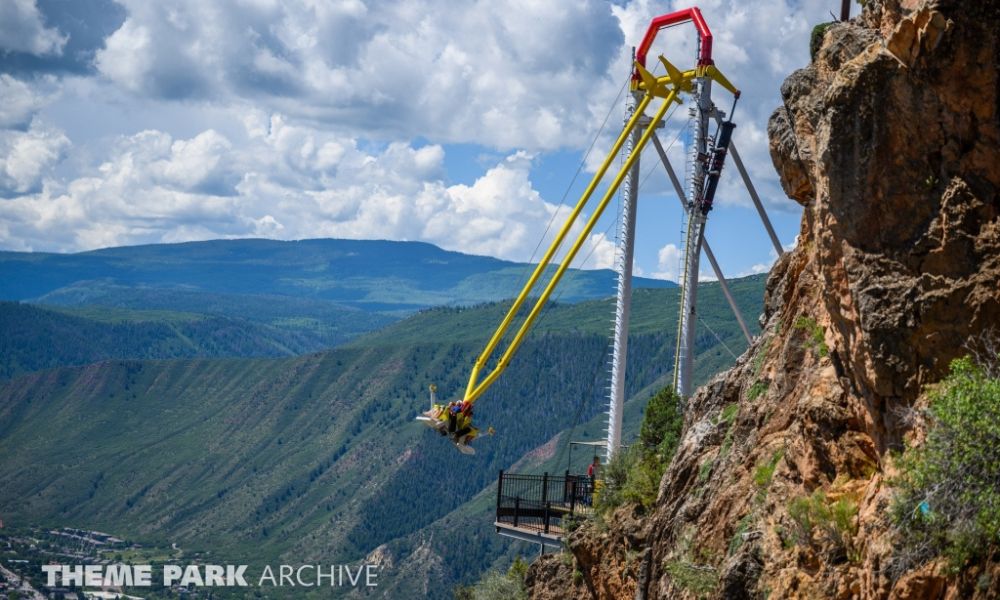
point(889, 141)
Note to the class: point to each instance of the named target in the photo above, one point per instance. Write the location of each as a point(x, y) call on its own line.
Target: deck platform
point(533, 508)
point(552, 539)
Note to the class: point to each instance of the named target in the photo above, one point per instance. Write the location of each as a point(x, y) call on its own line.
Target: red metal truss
point(675, 18)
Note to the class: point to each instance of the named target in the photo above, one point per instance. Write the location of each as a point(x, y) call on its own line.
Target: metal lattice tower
point(706, 156)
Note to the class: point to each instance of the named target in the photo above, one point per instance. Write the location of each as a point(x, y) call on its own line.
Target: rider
point(460, 422)
point(454, 420)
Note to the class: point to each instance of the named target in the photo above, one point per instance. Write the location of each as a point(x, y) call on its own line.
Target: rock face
point(890, 142)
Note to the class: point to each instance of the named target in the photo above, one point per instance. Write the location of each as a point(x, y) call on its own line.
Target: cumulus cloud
point(21, 101)
point(283, 181)
point(668, 263)
point(507, 73)
point(22, 30)
point(755, 270)
point(26, 156)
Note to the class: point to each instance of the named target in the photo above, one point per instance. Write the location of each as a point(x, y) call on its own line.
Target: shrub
point(630, 476)
point(498, 586)
point(727, 443)
point(728, 414)
point(705, 470)
point(742, 527)
point(822, 521)
point(816, 39)
point(699, 580)
point(946, 501)
point(643, 483)
point(661, 424)
point(817, 341)
point(614, 476)
point(633, 475)
point(764, 473)
point(758, 388)
point(518, 569)
point(758, 359)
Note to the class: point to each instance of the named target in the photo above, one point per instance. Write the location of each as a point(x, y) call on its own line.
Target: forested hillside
point(317, 457)
point(35, 338)
point(244, 297)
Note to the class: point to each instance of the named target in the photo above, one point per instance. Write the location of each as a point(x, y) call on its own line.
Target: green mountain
point(239, 297)
point(370, 274)
point(317, 457)
point(35, 337)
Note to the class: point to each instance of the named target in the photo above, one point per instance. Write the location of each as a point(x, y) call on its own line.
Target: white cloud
point(21, 101)
point(284, 181)
point(126, 57)
point(26, 156)
point(668, 263)
point(507, 73)
point(22, 30)
point(755, 269)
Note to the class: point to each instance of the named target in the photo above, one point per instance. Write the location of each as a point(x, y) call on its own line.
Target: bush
point(727, 416)
point(699, 580)
point(630, 476)
point(816, 39)
point(614, 477)
point(764, 473)
point(821, 521)
point(758, 388)
point(661, 424)
point(633, 475)
point(817, 341)
point(498, 586)
point(742, 527)
point(947, 499)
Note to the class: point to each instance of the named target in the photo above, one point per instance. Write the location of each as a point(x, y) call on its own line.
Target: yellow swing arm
point(667, 87)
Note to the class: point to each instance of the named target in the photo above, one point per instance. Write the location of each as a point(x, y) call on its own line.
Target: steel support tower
point(623, 303)
point(703, 168)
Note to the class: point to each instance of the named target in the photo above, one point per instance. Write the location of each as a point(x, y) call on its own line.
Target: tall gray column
point(623, 305)
point(684, 364)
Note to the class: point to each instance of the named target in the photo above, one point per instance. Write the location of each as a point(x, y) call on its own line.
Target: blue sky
point(459, 124)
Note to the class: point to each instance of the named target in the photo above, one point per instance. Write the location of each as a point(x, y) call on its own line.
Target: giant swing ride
point(710, 145)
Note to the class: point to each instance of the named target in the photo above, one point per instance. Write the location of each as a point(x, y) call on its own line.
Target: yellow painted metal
point(554, 246)
point(675, 75)
point(660, 86)
point(721, 79)
point(477, 390)
point(649, 82)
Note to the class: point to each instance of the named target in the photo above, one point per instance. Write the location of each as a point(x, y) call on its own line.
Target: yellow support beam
point(554, 246)
point(658, 86)
point(721, 79)
point(477, 390)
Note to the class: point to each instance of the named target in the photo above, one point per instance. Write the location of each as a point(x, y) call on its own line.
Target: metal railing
point(542, 502)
